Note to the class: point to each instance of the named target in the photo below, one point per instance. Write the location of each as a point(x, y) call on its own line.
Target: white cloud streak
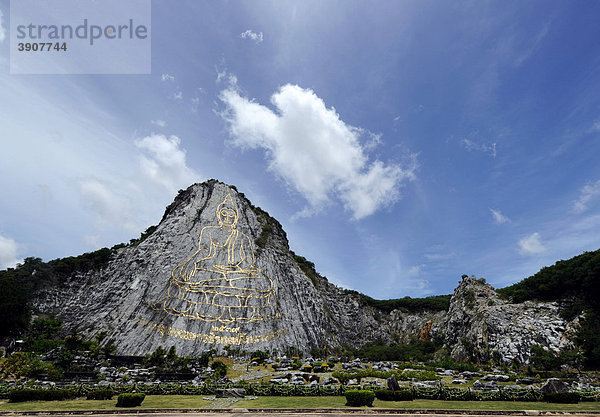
point(162, 171)
point(8, 253)
point(587, 194)
point(498, 217)
point(256, 37)
point(2, 30)
point(165, 162)
point(470, 146)
point(167, 77)
point(531, 245)
point(100, 198)
point(314, 151)
point(159, 123)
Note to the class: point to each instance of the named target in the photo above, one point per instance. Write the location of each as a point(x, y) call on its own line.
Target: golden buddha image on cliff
point(219, 283)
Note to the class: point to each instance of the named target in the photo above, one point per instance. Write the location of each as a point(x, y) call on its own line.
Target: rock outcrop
point(218, 272)
point(479, 323)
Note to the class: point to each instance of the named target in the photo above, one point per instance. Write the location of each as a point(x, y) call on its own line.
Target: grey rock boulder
point(553, 386)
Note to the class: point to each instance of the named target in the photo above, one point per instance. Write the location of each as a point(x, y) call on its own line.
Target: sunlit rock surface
point(218, 272)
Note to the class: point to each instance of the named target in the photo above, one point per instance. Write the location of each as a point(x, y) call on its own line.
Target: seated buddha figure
point(220, 282)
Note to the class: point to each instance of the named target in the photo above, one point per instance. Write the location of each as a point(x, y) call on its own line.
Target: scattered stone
point(494, 377)
point(459, 381)
point(329, 381)
point(527, 381)
point(230, 393)
point(392, 383)
point(554, 385)
point(470, 375)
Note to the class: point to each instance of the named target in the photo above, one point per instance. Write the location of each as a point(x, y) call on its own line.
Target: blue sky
point(400, 143)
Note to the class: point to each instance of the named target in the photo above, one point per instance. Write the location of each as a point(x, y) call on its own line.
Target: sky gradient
point(401, 144)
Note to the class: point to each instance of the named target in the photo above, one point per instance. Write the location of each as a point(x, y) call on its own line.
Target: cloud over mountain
point(314, 151)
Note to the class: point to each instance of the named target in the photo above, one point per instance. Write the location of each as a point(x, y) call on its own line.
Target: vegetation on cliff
point(576, 283)
point(21, 283)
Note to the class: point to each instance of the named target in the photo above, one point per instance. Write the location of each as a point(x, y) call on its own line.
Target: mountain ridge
point(315, 312)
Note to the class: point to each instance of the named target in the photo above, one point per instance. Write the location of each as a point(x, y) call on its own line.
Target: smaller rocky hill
point(481, 326)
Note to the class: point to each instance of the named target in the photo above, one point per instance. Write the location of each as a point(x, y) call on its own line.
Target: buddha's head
point(227, 213)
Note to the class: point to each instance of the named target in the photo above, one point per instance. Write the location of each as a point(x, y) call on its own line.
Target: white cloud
point(195, 103)
point(439, 256)
point(499, 218)
point(469, 145)
point(314, 151)
point(159, 123)
point(2, 30)
point(256, 37)
point(124, 202)
point(531, 245)
point(588, 193)
point(8, 253)
point(415, 270)
point(165, 162)
point(167, 77)
point(178, 95)
point(101, 198)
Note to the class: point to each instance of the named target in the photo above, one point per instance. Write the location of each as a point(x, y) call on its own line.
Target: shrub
point(130, 400)
point(389, 395)
point(562, 397)
point(220, 369)
point(27, 394)
point(358, 398)
point(100, 394)
point(403, 395)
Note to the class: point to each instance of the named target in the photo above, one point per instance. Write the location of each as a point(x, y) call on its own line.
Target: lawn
point(339, 402)
point(151, 401)
point(193, 401)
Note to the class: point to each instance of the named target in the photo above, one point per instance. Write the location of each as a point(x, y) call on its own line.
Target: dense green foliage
point(416, 350)
point(220, 369)
point(259, 356)
point(168, 360)
point(29, 394)
point(130, 399)
point(547, 360)
point(449, 363)
point(100, 394)
point(406, 304)
point(308, 268)
point(358, 398)
point(269, 389)
point(20, 283)
point(577, 277)
point(576, 282)
point(389, 395)
point(346, 376)
point(562, 397)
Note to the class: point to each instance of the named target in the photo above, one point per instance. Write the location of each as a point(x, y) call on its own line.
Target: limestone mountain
point(217, 271)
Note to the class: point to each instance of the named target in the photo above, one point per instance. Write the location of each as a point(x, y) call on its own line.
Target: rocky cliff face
point(218, 272)
point(479, 323)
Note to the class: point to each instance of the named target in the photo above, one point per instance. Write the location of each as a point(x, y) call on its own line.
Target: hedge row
point(130, 400)
point(270, 389)
point(344, 377)
point(389, 395)
point(358, 398)
point(31, 394)
point(100, 394)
